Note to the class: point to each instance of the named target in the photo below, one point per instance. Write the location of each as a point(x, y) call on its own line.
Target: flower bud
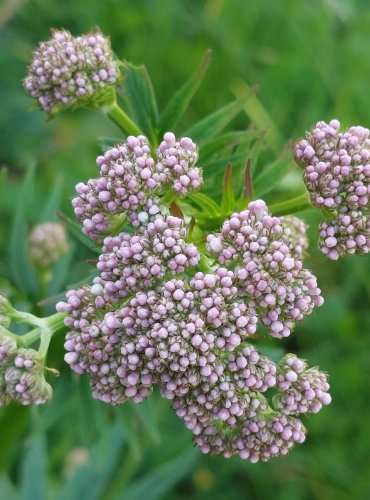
point(70, 72)
point(47, 243)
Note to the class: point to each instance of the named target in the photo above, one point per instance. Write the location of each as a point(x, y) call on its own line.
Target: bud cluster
point(131, 182)
point(47, 243)
point(22, 377)
point(68, 71)
point(337, 176)
point(151, 317)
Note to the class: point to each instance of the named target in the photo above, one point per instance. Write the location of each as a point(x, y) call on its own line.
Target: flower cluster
point(131, 182)
point(151, 317)
point(68, 71)
point(337, 175)
point(21, 374)
point(47, 243)
point(254, 244)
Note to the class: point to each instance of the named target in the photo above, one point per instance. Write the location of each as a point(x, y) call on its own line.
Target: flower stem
point(121, 119)
point(47, 327)
point(297, 204)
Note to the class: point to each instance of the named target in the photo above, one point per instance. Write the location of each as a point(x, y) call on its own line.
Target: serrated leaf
point(158, 483)
point(216, 122)
point(22, 272)
point(33, 477)
point(139, 98)
point(181, 100)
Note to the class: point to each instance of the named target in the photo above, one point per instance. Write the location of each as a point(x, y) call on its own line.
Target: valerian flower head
point(24, 381)
point(337, 176)
point(267, 267)
point(68, 72)
point(131, 182)
point(301, 389)
point(47, 243)
point(151, 317)
point(294, 233)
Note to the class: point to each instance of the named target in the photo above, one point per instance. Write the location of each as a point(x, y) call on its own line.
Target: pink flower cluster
point(22, 377)
point(131, 182)
point(152, 317)
point(68, 71)
point(337, 175)
point(254, 245)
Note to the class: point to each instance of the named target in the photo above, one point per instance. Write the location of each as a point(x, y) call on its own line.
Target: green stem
point(48, 326)
point(122, 120)
point(297, 204)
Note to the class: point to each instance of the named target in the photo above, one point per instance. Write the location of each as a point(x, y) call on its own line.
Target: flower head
point(47, 243)
point(67, 71)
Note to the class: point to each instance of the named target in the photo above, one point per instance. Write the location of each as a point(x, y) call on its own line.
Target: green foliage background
point(311, 62)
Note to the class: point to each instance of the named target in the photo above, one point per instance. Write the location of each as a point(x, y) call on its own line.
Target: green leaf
point(228, 198)
point(271, 175)
point(215, 123)
point(75, 229)
point(225, 142)
point(8, 490)
point(14, 419)
point(149, 419)
point(259, 116)
point(22, 272)
point(53, 202)
point(291, 206)
point(139, 98)
point(90, 481)
point(206, 203)
point(61, 271)
point(109, 142)
point(33, 476)
point(181, 100)
point(158, 483)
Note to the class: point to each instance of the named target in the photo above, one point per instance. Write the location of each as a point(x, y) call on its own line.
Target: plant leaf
point(215, 123)
point(225, 142)
point(158, 483)
point(139, 98)
point(228, 198)
point(33, 477)
point(181, 100)
point(53, 202)
point(23, 273)
point(206, 203)
point(272, 174)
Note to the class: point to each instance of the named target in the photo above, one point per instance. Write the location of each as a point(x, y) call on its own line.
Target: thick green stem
point(297, 204)
point(121, 119)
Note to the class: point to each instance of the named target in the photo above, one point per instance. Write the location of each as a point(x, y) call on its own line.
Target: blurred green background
point(311, 62)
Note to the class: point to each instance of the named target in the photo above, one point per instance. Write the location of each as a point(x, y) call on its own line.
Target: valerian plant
point(189, 282)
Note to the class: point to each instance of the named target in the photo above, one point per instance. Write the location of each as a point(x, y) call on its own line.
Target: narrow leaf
point(158, 483)
point(139, 98)
point(23, 274)
point(248, 186)
point(228, 198)
point(259, 116)
point(181, 100)
point(53, 202)
point(33, 478)
point(225, 142)
point(272, 174)
point(205, 203)
point(216, 122)
point(75, 229)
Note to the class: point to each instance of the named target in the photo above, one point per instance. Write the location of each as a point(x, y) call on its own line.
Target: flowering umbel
point(337, 176)
point(154, 316)
point(68, 72)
